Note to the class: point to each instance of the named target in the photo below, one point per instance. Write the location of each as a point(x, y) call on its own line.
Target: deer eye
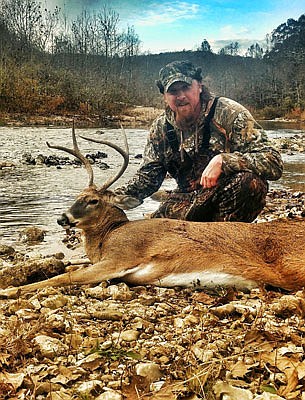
point(92, 202)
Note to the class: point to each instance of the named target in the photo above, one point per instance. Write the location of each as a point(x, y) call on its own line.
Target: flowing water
point(37, 194)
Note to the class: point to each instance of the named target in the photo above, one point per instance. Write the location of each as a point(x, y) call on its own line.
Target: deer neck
point(109, 219)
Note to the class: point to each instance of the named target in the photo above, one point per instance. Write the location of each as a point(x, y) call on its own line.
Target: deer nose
point(63, 220)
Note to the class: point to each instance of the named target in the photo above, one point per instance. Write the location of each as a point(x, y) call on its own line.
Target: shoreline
point(132, 117)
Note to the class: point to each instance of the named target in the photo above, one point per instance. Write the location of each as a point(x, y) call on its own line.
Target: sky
point(183, 24)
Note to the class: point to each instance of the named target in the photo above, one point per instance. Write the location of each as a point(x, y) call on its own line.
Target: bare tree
point(31, 25)
point(231, 49)
point(108, 21)
point(255, 51)
point(81, 32)
point(131, 42)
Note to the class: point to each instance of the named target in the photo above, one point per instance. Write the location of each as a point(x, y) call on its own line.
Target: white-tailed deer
point(168, 252)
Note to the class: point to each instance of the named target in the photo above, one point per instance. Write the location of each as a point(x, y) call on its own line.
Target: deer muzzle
point(65, 222)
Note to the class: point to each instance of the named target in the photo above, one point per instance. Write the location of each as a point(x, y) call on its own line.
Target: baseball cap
point(178, 71)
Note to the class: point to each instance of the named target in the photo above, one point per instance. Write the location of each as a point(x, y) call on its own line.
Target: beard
point(185, 114)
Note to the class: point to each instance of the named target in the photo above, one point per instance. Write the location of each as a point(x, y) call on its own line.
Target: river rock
point(110, 395)
point(6, 250)
point(29, 271)
point(149, 370)
point(86, 388)
point(59, 161)
point(55, 302)
point(130, 335)
point(32, 234)
point(49, 347)
point(120, 292)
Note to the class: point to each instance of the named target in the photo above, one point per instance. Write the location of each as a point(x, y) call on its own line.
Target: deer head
point(94, 203)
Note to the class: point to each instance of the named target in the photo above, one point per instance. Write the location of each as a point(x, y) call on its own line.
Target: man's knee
point(242, 198)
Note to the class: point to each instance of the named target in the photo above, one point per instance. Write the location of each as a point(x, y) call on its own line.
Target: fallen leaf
point(233, 393)
point(12, 379)
point(240, 369)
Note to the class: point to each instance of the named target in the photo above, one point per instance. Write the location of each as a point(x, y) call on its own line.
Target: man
point(213, 148)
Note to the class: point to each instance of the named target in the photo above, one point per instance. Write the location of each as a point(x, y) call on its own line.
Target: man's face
point(184, 99)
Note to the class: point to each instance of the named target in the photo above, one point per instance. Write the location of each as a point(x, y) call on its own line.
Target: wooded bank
point(98, 77)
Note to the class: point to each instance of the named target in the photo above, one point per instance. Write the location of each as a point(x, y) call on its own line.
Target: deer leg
point(96, 273)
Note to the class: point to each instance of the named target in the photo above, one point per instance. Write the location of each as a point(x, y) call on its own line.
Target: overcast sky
point(177, 25)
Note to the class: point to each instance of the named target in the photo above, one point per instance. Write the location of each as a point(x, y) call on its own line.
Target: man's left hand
point(212, 172)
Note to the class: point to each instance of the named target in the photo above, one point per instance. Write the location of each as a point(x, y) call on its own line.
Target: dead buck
point(168, 252)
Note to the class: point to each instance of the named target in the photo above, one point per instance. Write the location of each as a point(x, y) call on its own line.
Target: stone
point(130, 335)
point(149, 370)
point(6, 250)
point(50, 347)
point(32, 234)
point(88, 387)
point(54, 302)
point(110, 395)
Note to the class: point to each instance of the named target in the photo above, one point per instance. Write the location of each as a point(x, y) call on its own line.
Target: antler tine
point(76, 153)
point(124, 154)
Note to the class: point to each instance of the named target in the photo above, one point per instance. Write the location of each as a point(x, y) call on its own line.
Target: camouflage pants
point(238, 197)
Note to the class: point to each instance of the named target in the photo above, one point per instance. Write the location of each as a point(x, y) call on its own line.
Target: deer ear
point(126, 202)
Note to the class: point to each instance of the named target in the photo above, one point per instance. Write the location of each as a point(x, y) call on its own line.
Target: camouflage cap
point(178, 71)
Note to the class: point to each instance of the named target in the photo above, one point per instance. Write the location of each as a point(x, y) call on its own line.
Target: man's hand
point(212, 172)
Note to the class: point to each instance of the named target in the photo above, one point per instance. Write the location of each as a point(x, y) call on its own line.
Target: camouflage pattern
point(237, 197)
point(177, 71)
point(234, 133)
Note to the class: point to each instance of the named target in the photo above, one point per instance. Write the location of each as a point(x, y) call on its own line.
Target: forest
point(49, 66)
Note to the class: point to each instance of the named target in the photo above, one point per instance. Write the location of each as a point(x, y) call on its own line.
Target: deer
point(172, 253)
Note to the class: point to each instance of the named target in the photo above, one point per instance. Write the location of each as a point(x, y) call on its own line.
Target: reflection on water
point(37, 195)
point(282, 125)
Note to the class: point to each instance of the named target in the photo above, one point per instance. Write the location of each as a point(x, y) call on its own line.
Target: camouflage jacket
point(234, 133)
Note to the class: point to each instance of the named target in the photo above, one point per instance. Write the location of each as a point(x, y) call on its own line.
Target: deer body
point(168, 252)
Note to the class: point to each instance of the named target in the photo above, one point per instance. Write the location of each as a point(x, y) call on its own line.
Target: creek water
point(37, 194)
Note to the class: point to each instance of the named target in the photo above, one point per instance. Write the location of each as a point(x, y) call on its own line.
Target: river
point(37, 194)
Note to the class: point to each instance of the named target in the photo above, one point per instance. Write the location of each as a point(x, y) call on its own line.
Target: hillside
point(72, 79)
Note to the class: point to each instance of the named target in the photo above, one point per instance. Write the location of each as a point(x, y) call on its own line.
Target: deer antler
point(76, 153)
point(124, 154)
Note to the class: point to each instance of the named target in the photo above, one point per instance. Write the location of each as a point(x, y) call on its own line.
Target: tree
point(32, 26)
point(130, 43)
point(255, 51)
point(81, 29)
point(110, 40)
point(205, 47)
point(230, 49)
